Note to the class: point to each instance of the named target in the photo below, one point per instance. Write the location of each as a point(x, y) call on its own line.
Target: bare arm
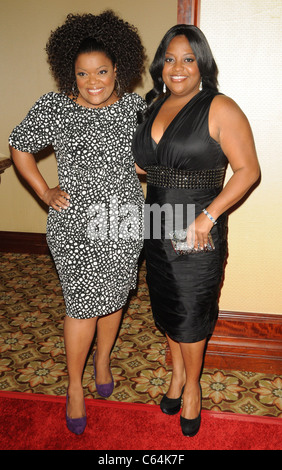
point(139, 170)
point(27, 167)
point(230, 128)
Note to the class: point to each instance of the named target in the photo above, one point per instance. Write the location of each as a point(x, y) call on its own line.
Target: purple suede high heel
point(104, 390)
point(75, 425)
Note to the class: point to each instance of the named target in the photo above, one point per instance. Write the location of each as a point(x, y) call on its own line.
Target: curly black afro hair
point(120, 40)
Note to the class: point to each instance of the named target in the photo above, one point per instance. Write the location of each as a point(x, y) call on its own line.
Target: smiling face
point(95, 77)
point(180, 73)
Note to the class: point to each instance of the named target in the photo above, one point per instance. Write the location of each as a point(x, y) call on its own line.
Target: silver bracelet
point(210, 216)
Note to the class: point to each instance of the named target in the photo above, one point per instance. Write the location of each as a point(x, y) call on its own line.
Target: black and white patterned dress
point(96, 242)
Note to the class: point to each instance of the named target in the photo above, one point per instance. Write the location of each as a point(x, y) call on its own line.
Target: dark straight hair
point(204, 57)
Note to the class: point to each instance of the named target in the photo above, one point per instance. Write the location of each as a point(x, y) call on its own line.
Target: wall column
point(188, 12)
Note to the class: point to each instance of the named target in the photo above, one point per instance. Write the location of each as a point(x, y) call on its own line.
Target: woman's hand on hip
point(56, 198)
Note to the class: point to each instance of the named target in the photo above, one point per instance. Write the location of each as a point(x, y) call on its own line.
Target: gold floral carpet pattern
point(32, 356)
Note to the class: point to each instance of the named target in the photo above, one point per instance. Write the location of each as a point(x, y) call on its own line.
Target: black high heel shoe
point(171, 406)
point(190, 427)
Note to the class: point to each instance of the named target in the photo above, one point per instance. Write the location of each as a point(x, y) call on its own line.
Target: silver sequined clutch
point(179, 242)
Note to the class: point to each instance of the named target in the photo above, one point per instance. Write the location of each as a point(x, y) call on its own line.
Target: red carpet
point(37, 422)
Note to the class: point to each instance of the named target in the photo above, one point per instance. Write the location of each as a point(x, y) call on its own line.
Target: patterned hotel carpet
point(33, 359)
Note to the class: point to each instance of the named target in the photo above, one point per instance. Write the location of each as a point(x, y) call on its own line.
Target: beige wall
point(245, 39)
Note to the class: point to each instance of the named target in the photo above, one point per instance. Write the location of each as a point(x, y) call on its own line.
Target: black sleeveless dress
point(187, 166)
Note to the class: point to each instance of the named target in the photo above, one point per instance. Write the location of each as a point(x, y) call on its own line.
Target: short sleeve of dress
point(37, 130)
point(139, 102)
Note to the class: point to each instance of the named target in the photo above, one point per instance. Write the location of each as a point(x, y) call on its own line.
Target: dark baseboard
point(23, 242)
point(241, 341)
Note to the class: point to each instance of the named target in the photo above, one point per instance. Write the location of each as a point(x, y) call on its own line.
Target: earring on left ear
point(117, 87)
point(201, 85)
point(75, 90)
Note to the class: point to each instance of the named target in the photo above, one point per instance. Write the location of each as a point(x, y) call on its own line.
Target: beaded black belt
point(186, 179)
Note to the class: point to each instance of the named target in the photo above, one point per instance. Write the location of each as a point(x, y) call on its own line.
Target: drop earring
point(164, 88)
point(201, 85)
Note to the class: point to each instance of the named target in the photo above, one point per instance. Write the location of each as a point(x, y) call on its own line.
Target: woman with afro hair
point(94, 225)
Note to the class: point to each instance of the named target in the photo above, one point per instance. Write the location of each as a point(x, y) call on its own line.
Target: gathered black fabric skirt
point(184, 289)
